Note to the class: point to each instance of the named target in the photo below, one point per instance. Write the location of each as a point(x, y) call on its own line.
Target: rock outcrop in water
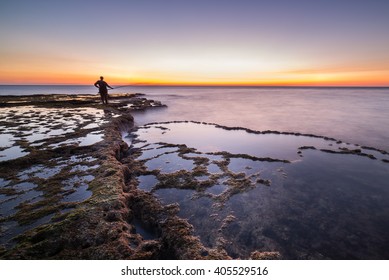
point(74, 186)
point(82, 202)
point(264, 195)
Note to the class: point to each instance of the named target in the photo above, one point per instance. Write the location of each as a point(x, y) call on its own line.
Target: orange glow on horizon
point(250, 44)
point(306, 78)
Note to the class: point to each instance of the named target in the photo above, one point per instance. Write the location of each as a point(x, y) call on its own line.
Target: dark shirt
point(102, 85)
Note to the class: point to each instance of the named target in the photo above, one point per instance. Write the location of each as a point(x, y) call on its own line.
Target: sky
point(242, 42)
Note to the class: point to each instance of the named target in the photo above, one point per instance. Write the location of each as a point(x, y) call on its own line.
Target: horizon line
point(212, 85)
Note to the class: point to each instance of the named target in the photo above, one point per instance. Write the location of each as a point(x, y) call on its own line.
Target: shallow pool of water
point(169, 163)
point(78, 185)
point(148, 154)
point(147, 182)
point(147, 232)
point(11, 229)
point(217, 189)
point(12, 153)
point(209, 138)
point(305, 197)
point(15, 195)
point(80, 194)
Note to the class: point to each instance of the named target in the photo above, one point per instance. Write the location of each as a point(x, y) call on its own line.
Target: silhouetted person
point(102, 86)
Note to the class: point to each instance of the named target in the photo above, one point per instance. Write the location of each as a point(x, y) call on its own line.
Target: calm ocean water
point(36, 89)
point(355, 115)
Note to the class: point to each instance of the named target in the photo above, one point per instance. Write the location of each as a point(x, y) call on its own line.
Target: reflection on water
point(38, 127)
point(33, 192)
point(145, 231)
point(10, 203)
point(173, 195)
point(356, 115)
point(78, 187)
point(147, 182)
point(31, 195)
point(89, 139)
point(217, 189)
point(40, 171)
point(210, 139)
point(148, 154)
point(213, 168)
point(12, 153)
point(80, 194)
point(26, 195)
point(11, 229)
point(169, 163)
point(305, 197)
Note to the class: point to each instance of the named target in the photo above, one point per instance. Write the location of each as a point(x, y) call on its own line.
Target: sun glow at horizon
point(291, 78)
point(199, 43)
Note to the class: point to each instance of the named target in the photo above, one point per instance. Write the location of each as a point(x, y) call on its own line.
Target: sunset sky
point(241, 42)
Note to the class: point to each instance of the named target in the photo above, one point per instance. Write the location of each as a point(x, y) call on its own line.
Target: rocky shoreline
point(101, 226)
point(246, 192)
point(71, 174)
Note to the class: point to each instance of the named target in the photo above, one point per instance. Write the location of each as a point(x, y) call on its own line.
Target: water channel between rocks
point(305, 196)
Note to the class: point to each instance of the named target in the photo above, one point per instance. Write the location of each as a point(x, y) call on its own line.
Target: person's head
point(101, 78)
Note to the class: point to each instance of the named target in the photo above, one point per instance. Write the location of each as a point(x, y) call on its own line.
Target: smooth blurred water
point(355, 115)
point(38, 89)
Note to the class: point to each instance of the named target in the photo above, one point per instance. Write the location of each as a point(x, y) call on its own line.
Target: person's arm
point(96, 84)
point(109, 86)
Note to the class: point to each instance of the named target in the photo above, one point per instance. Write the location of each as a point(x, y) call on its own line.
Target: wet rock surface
point(62, 196)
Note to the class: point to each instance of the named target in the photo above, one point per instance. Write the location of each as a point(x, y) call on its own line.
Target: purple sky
point(264, 42)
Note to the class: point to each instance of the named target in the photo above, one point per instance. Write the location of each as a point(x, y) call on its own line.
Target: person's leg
point(102, 97)
point(106, 98)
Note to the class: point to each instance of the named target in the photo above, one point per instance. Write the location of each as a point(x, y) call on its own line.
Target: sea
point(353, 115)
point(302, 196)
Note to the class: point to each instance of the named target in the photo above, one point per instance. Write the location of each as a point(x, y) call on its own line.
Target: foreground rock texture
point(96, 228)
point(103, 225)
